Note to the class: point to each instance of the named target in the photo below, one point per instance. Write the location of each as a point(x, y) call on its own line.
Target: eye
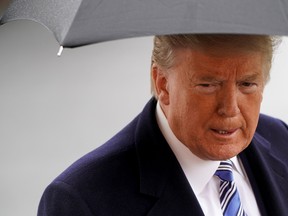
point(247, 84)
point(206, 85)
point(248, 87)
point(206, 88)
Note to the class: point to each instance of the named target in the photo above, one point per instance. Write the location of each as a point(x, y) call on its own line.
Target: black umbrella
point(80, 22)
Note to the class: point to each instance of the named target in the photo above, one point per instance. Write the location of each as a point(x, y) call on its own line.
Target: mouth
point(225, 132)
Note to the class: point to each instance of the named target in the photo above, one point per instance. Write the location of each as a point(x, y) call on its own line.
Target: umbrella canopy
point(81, 22)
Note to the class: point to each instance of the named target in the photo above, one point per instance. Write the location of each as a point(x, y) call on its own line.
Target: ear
point(160, 79)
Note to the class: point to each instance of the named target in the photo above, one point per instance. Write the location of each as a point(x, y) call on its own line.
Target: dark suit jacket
point(136, 173)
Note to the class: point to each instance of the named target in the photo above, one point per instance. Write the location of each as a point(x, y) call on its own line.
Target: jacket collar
point(160, 173)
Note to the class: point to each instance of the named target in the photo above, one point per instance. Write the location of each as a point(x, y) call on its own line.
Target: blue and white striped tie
point(229, 197)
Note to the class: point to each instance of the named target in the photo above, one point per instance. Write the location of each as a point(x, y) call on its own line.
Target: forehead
point(200, 61)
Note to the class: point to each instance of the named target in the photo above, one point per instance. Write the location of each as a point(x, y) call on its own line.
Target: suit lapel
point(160, 173)
point(267, 175)
point(176, 199)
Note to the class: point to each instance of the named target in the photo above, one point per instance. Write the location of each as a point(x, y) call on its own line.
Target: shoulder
point(272, 128)
point(104, 181)
point(274, 133)
point(113, 158)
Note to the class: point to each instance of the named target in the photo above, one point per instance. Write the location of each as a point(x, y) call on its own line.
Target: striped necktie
point(229, 197)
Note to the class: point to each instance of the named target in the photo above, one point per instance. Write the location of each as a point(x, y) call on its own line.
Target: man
point(204, 113)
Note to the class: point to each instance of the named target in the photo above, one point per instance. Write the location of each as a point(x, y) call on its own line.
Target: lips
point(225, 131)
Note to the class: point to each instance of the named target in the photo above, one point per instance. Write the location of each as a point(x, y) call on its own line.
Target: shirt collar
point(238, 166)
point(198, 171)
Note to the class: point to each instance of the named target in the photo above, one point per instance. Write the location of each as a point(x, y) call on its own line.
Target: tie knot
point(224, 171)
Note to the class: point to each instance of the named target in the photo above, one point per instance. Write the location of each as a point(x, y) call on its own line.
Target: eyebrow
point(251, 77)
point(209, 78)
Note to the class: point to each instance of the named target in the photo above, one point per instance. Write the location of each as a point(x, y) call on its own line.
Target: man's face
point(212, 101)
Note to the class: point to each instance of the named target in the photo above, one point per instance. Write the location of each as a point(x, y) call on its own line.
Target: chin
point(225, 153)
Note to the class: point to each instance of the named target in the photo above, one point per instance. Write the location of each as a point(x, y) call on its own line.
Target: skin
point(212, 100)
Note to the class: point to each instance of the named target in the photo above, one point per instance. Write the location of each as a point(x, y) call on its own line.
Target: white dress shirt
point(200, 174)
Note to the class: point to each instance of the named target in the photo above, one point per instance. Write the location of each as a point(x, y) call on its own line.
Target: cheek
point(195, 118)
point(184, 116)
point(250, 112)
point(204, 109)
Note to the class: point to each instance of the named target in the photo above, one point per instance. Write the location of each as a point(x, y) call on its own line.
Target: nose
point(228, 101)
